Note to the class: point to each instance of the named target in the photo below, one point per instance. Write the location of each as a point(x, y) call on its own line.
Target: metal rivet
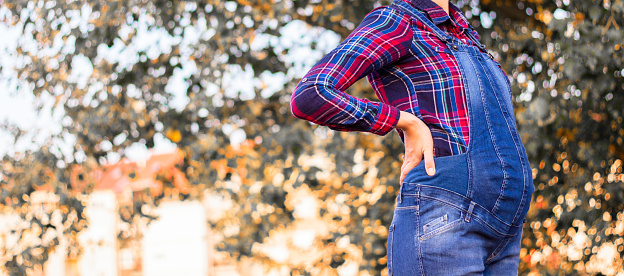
point(454, 47)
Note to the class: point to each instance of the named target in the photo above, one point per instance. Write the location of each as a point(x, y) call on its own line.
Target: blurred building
point(180, 241)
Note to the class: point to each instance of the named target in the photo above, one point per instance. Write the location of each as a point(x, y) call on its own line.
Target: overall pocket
point(437, 218)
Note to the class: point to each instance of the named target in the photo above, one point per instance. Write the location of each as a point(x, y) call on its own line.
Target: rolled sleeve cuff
point(386, 120)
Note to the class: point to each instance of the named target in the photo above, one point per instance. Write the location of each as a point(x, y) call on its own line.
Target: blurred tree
point(203, 75)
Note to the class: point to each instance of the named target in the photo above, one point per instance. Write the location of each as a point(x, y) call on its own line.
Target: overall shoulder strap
point(402, 5)
point(468, 31)
point(475, 40)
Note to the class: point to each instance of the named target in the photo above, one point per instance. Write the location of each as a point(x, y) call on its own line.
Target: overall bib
point(467, 218)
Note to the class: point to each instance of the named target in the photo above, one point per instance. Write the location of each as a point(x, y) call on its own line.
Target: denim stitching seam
point(450, 203)
point(499, 249)
point(522, 162)
point(470, 129)
point(419, 251)
point(390, 245)
point(486, 224)
point(502, 162)
point(491, 227)
point(435, 187)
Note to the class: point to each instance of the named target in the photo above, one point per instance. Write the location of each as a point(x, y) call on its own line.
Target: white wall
point(99, 240)
point(176, 243)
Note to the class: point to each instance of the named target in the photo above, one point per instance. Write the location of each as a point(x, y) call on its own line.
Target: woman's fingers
point(409, 162)
point(429, 164)
point(417, 149)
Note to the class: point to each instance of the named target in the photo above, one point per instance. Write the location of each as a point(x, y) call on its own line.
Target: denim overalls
point(467, 218)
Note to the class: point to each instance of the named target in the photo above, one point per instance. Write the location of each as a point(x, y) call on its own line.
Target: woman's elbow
point(294, 110)
point(302, 102)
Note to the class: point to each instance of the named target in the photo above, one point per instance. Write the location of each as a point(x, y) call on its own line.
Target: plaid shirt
point(408, 69)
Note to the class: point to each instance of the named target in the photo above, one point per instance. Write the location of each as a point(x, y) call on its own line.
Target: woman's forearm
point(384, 37)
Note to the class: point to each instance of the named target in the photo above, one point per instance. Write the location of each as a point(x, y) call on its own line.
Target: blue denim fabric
point(467, 218)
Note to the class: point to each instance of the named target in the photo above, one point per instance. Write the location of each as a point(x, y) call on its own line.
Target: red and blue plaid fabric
point(409, 70)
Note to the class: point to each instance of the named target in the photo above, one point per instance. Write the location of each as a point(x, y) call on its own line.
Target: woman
point(461, 211)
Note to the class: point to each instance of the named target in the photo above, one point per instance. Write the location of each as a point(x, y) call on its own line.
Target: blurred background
point(155, 138)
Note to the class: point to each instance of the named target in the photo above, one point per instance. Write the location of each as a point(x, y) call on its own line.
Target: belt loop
point(400, 197)
point(469, 214)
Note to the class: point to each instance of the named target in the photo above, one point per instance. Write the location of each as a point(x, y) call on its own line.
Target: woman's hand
point(418, 144)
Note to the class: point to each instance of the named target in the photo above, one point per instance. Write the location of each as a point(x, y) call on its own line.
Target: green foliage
point(567, 80)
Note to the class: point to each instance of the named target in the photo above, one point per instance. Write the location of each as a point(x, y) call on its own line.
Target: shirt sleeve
point(384, 36)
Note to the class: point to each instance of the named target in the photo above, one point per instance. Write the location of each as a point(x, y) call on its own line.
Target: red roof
point(136, 175)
